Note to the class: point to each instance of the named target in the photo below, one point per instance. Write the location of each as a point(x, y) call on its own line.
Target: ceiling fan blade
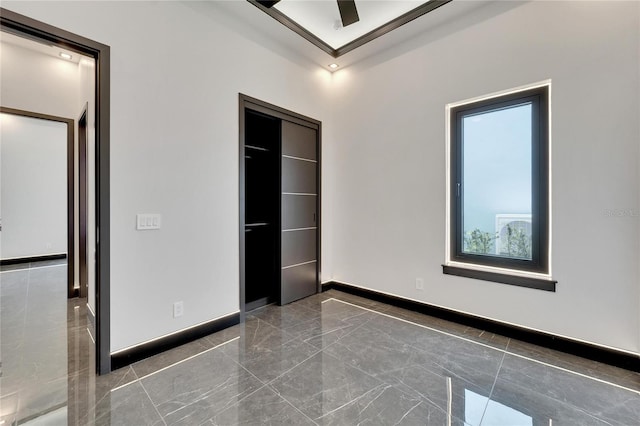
point(267, 3)
point(348, 12)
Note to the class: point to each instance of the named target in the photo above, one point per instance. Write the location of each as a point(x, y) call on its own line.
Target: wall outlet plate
point(419, 284)
point(178, 309)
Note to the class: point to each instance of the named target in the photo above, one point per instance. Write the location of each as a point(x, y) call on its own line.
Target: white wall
point(174, 150)
point(33, 191)
point(174, 135)
point(32, 81)
point(389, 164)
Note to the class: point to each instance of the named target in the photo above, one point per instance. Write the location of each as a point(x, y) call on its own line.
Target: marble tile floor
point(332, 359)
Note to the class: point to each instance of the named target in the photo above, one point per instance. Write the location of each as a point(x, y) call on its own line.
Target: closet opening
point(279, 205)
point(262, 209)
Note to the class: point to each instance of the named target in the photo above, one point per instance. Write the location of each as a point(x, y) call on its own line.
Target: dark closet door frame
point(247, 102)
point(71, 291)
point(26, 27)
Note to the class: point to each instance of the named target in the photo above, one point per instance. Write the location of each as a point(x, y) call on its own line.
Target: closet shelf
point(257, 148)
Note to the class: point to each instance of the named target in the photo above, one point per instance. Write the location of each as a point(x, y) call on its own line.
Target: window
point(499, 188)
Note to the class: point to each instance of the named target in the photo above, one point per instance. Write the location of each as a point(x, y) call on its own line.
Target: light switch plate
point(146, 221)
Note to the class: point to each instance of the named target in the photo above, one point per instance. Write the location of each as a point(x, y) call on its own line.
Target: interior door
point(299, 212)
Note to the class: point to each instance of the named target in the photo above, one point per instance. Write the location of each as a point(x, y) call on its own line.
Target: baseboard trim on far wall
point(145, 350)
point(609, 356)
point(29, 259)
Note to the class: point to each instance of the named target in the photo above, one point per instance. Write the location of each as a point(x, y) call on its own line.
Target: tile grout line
point(561, 402)
point(369, 374)
point(187, 359)
point(356, 328)
point(574, 372)
point(118, 387)
point(155, 407)
point(247, 370)
point(139, 379)
point(280, 327)
point(294, 407)
point(295, 366)
point(382, 385)
point(424, 326)
point(267, 384)
point(495, 380)
point(496, 349)
point(318, 351)
point(264, 385)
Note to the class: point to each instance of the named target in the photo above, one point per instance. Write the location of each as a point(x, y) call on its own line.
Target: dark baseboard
point(31, 259)
point(250, 306)
point(137, 353)
point(91, 321)
point(563, 344)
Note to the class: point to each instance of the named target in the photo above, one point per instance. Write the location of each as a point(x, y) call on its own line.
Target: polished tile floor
point(332, 358)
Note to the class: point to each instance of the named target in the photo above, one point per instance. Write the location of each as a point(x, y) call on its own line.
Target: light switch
point(146, 221)
point(139, 221)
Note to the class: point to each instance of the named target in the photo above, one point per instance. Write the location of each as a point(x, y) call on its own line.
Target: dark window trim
point(366, 38)
point(539, 97)
point(518, 280)
point(26, 27)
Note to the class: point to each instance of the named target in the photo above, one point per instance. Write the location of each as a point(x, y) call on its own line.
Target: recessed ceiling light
point(65, 56)
point(333, 66)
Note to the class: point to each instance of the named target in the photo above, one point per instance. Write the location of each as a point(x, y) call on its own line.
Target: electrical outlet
point(178, 309)
point(419, 284)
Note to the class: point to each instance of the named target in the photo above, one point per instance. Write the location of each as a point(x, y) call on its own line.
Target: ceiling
point(321, 17)
point(46, 49)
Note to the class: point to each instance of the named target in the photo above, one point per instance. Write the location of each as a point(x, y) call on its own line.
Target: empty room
point(320, 212)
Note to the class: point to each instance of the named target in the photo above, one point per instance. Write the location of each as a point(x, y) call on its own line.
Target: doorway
point(279, 205)
point(33, 230)
point(29, 28)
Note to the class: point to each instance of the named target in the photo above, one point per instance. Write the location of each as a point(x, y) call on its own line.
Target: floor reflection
point(493, 413)
point(329, 359)
point(44, 342)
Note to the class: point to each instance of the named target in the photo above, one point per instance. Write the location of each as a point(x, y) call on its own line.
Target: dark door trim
point(24, 26)
point(247, 102)
point(83, 213)
point(71, 291)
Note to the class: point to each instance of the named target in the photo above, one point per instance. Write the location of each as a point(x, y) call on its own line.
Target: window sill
point(529, 282)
